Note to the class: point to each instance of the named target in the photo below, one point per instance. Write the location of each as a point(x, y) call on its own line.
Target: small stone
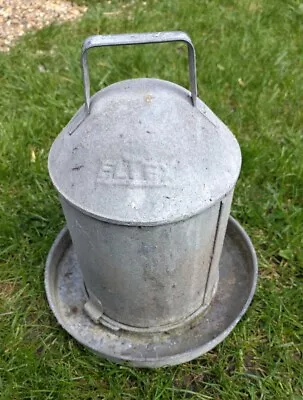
point(41, 68)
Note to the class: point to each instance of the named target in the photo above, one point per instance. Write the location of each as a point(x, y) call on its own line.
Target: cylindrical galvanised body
point(146, 173)
point(150, 276)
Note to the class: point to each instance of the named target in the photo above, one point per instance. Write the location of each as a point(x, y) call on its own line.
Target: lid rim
point(177, 219)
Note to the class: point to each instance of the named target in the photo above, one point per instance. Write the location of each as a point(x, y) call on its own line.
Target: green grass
point(250, 72)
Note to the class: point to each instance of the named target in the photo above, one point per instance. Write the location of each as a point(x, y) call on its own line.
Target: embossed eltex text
point(135, 173)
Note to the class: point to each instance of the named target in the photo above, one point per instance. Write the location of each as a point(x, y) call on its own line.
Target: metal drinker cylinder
point(146, 172)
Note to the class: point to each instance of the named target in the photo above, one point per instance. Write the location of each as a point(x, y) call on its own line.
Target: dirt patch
point(6, 289)
point(20, 16)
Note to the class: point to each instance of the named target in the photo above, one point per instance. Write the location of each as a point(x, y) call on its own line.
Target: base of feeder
point(236, 287)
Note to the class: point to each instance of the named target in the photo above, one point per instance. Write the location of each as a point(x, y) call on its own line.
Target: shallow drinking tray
point(237, 283)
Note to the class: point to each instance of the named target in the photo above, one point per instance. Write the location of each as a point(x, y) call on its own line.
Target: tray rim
point(152, 362)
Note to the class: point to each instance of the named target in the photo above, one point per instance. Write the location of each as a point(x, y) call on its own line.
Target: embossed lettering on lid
point(144, 155)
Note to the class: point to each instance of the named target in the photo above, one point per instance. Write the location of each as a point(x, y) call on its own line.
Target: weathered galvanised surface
point(146, 173)
point(236, 287)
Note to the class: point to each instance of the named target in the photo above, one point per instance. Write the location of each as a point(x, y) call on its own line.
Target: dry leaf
point(33, 156)
point(241, 82)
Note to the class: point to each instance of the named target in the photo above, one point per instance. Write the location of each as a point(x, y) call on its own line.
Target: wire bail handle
point(138, 38)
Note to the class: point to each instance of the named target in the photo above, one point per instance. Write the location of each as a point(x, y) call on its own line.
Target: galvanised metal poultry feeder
point(151, 269)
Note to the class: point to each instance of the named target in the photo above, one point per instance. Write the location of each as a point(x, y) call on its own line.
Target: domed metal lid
point(146, 153)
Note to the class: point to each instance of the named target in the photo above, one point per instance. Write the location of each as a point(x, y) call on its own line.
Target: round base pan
point(237, 283)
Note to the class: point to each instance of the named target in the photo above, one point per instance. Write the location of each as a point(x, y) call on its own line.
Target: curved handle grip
point(138, 38)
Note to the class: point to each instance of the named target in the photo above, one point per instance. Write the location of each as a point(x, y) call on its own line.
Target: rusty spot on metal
point(148, 98)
